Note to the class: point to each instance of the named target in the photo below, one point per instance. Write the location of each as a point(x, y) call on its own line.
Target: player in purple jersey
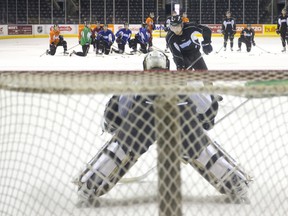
point(106, 39)
point(122, 37)
point(142, 37)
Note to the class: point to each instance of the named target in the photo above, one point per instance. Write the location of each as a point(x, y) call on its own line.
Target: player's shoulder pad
point(189, 24)
point(169, 35)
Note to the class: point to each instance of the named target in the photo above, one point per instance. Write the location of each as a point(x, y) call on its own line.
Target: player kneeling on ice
point(56, 40)
point(142, 38)
point(130, 120)
point(85, 41)
point(106, 39)
point(122, 37)
point(246, 37)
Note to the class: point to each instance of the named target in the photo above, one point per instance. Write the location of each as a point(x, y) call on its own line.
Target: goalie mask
point(156, 60)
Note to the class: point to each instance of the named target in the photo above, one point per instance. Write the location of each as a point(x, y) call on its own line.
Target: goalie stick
point(232, 111)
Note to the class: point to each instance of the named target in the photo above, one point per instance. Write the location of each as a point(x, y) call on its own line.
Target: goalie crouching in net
point(130, 119)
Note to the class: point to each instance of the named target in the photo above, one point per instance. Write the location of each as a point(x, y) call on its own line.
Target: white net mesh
point(55, 158)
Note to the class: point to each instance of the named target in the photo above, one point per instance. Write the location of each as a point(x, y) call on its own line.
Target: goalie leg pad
point(222, 171)
point(104, 171)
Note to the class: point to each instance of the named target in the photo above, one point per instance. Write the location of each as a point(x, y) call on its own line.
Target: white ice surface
point(37, 170)
point(23, 54)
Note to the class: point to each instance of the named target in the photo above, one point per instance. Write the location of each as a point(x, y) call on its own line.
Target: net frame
point(144, 82)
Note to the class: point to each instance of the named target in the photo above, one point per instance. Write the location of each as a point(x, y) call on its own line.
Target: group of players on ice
point(130, 120)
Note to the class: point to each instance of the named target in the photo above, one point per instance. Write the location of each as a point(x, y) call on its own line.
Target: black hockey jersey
point(187, 43)
point(229, 25)
point(282, 23)
point(247, 34)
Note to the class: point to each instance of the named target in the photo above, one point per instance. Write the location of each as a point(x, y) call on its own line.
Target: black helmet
point(175, 20)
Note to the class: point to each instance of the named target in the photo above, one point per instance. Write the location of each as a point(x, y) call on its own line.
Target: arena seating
point(17, 11)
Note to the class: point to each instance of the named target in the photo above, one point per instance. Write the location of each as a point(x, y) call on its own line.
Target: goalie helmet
point(156, 60)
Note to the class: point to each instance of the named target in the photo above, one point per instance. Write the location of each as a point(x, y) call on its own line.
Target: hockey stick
point(73, 47)
point(193, 63)
point(70, 48)
point(265, 50)
point(43, 54)
point(137, 178)
point(219, 49)
point(232, 111)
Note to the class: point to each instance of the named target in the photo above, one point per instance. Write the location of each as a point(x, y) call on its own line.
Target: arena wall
point(38, 31)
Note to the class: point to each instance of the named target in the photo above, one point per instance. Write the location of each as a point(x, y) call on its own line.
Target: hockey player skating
point(228, 30)
point(56, 40)
point(142, 38)
point(185, 46)
point(122, 38)
point(106, 38)
point(130, 120)
point(85, 41)
point(167, 25)
point(246, 37)
point(282, 28)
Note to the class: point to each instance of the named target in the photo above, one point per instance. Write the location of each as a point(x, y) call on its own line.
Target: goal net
point(143, 143)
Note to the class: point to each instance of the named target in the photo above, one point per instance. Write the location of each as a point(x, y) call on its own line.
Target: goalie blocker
point(130, 120)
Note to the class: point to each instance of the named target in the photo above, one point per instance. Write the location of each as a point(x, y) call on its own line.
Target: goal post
point(56, 138)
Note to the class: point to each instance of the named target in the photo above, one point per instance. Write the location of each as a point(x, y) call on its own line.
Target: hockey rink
point(37, 178)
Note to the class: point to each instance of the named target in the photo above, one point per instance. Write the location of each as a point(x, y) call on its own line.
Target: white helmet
point(156, 60)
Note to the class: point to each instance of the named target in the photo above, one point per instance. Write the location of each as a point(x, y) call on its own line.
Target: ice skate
point(239, 50)
point(47, 52)
point(284, 49)
point(65, 52)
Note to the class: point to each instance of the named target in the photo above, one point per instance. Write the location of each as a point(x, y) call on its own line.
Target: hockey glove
point(277, 31)
point(118, 40)
point(207, 48)
point(253, 43)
